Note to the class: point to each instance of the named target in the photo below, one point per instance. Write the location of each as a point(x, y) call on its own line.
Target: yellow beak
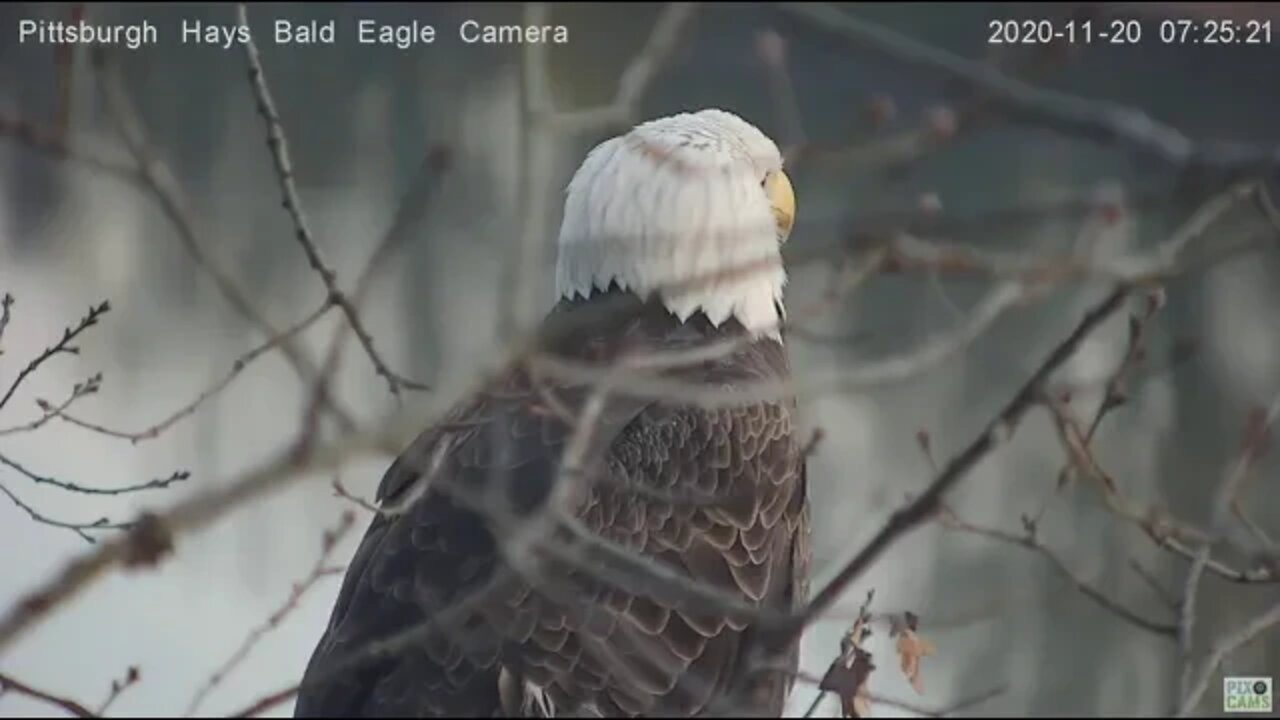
point(777, 186)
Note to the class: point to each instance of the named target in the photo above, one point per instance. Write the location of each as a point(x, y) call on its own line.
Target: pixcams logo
point(1247, 694)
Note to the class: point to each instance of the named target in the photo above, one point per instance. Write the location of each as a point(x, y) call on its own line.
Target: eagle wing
point(433, 620)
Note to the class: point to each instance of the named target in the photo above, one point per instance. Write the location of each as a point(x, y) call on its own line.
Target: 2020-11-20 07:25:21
point(1128, 31)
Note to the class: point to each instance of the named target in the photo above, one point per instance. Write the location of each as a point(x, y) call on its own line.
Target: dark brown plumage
point(718, 495)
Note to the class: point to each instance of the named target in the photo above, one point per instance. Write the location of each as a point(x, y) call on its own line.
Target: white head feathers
point(694, 207)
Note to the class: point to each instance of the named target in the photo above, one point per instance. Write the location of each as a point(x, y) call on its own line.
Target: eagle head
point(691, 208)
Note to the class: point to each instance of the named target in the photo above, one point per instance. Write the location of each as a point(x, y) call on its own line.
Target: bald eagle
point(676, 229)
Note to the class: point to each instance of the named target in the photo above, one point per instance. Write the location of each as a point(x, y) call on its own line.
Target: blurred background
point(882, 144)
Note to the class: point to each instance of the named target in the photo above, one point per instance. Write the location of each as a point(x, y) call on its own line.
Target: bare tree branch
point(156, 484)
point(1030, 541)
point(267, 702)
point(79, 390)
point(6, 303)
point(320, 570)
point(1219, 653)
point(632, 85)
point(147, 539)
point(63, 346)
point(1228, 490)
point(131, 678)
point(279, 146)
point(169, 195)
point(1063, 112)
point(926, 505)
point(238, 366)
point(410, 212)
point(1166, 531)
point(79, 528)
point(10, 684)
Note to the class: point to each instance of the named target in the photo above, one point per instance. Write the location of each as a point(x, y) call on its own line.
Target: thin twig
point(131, 678)
point(62, 346)
point(156, 484)
point(79, 528)
point(1167, 532)
point(81, 389)
point(320, 570)
point(1029, 541)
point(341, 491)
point(1115, 394)
point(6, 303)
point(407, 216)
point(279, 146)
point(237, 366)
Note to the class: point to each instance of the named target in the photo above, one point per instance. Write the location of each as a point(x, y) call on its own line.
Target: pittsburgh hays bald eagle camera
point(455, 603)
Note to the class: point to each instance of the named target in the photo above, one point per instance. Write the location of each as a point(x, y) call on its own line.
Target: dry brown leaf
point(911, 649)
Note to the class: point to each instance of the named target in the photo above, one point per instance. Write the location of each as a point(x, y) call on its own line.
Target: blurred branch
point(190, 408)
point(771, 49)
point(1224, 647)
point(57, 145)
point(632, 84)
point(267, 702)
point(1104, 121)
point(320, 570)
point(151, 536)
point(1269, 209)
point(6, 302)
point(1167, 596)
point(941, 125)
point(9, 684)
point(279, 146)
point(1228, 490)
